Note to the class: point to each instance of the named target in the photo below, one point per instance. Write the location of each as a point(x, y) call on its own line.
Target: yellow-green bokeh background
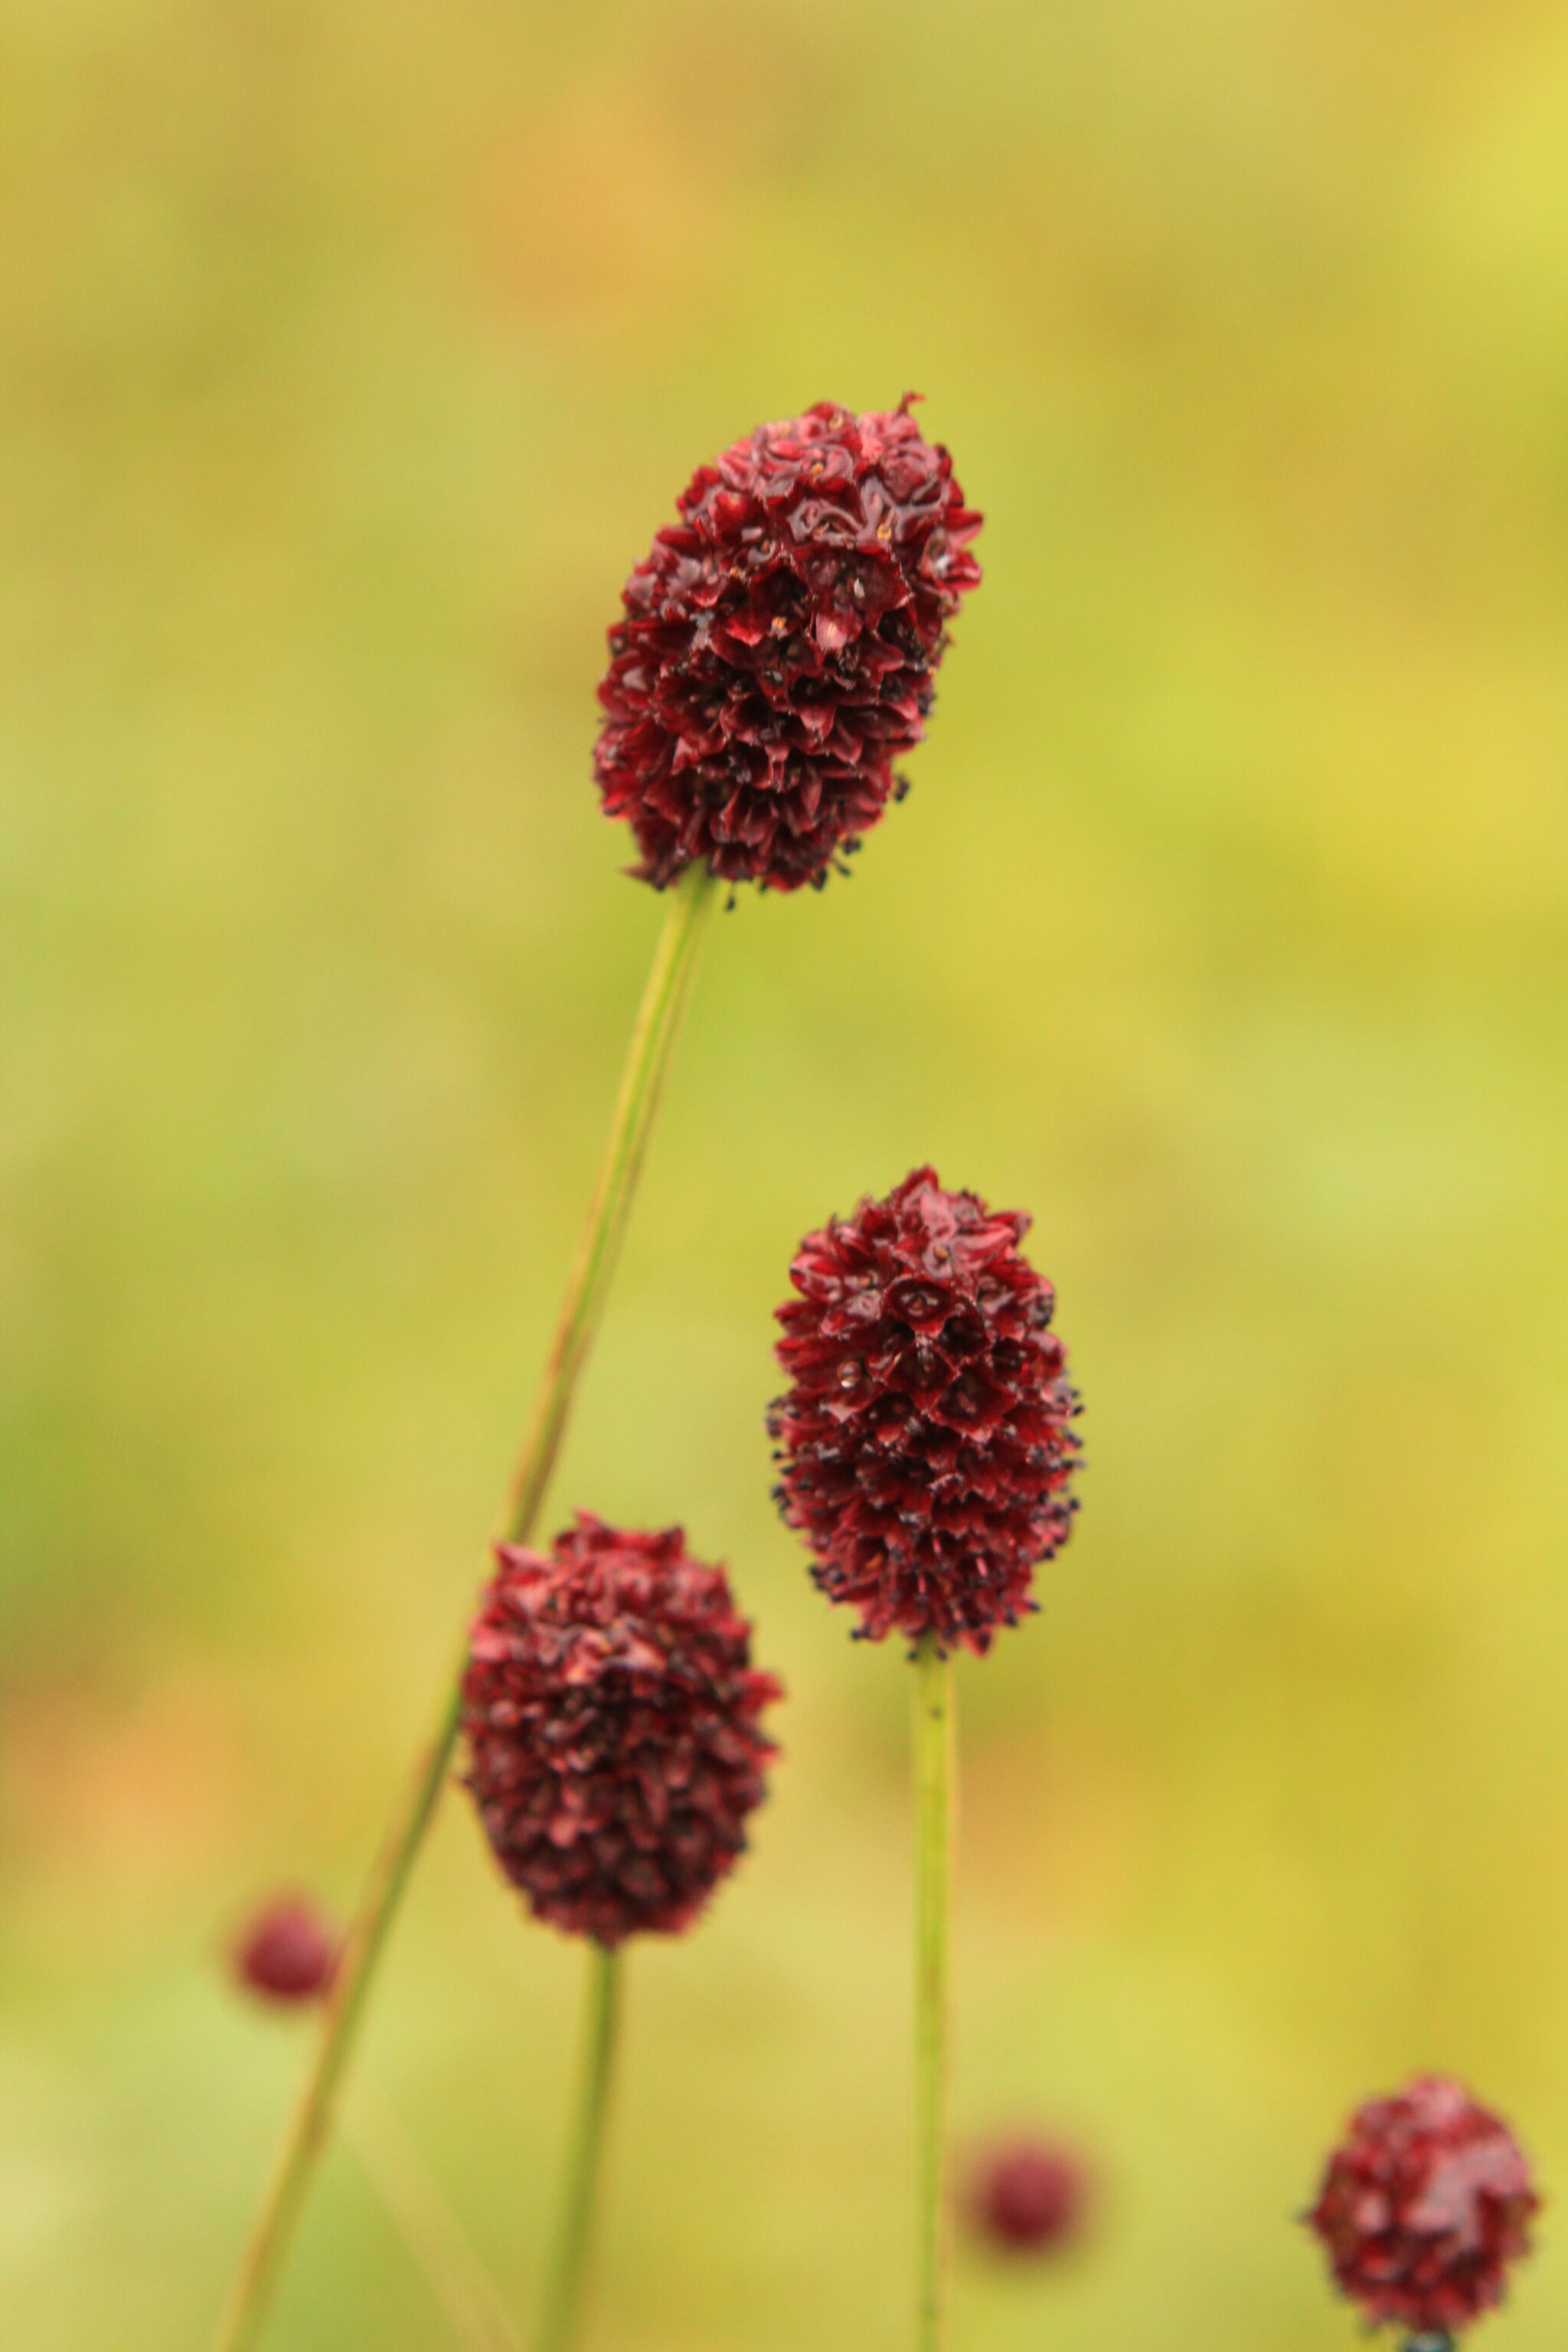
point(351, 354)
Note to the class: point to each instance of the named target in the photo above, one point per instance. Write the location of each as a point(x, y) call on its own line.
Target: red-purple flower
point(1028, 2196)
point(612, 1720)
point(287, 1952)
point(1423, 2204)
point(926, 1442)
point(779, 644)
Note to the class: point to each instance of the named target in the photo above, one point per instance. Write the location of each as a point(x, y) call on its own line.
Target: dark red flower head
point(1424, 2205)
point(926, 1443)
point(779, 644)
point(287, 1952)
point(1028, 2196)
point(612, 1713)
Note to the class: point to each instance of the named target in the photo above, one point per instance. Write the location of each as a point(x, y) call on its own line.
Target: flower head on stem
point(613, 1717)
point(926, 1452)
point(778, 647)
point(1423, 2206)
point(925, 1444)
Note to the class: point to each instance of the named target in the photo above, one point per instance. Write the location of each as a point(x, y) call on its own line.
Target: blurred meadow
point(351, 355)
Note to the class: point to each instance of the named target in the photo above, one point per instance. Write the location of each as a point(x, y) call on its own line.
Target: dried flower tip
point(287, 1952)
point(1424, 2203)
point(613, 1722)
point(925, 1444)
point(1028, 2197)
point(778, 647)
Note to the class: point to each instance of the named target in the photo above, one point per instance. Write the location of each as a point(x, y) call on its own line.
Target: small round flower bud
point(1423, 2204)
point(778, 647)
point(287, 1952)
point(612, 1715)
point(1028, 2197)
point(926, 1442)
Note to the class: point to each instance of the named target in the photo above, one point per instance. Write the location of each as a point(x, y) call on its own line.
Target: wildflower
point(1028, 2196)
point(612, 1715)
point(287, 1952)
point(926, 1441)
point(779, 644)
point(1423, 2204)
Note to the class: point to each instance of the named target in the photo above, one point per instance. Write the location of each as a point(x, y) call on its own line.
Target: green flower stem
point(647, 1058)
point(934, 1848)
point(562, 2311)
point(427, 2225)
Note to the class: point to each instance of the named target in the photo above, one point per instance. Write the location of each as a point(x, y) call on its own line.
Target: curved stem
point(427, 2225)
point(647, 1058)
point(933, 1845)
point(562, 2311)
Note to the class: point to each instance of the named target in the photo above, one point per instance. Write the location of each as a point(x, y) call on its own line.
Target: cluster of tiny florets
point(286, 1951)
point(778, 646)
point(612, 1715)
point(1423, 2206)
point(926, 1442)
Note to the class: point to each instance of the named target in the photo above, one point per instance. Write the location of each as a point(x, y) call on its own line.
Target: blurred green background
point(352, 354)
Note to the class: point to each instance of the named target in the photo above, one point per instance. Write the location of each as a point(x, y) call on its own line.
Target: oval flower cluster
point(779, 644)
point(612, 1715)
point(1424, 2205)
point(1028, 2197)
point(287, 1952)
point(926, 1442)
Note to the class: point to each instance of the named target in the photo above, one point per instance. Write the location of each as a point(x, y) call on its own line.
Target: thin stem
point(427, 2225)
point(647, 1058)
point(933, 1847)
point(562, 2311)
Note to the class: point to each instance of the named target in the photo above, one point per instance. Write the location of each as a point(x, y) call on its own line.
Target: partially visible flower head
point(779, 644)
point(1028, 2196)
point(612, 1721)
point(926, 1442)
point(288, 1952)
point(1423, 2204)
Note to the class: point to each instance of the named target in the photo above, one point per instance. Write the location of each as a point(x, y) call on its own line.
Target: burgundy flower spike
point(926, 1444)
point(1424, 2205)
point(1028, 2197)
point(779, 646)
point(287, 1953)
point(612, 1713)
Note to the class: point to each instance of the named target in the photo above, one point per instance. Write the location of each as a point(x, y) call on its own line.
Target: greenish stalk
point(560, 2313)
point(647, 1058)
point(933, 1850)
point(432, 2232)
